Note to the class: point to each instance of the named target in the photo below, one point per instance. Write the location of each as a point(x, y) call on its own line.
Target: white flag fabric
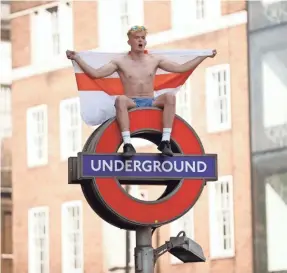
point(97, 96)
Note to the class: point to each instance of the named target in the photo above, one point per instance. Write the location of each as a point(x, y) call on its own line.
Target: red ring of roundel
point(146, 213)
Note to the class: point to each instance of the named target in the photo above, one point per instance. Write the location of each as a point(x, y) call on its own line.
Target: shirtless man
point(137, 71)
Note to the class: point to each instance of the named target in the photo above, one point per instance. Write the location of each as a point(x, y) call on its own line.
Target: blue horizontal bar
point(148, 166)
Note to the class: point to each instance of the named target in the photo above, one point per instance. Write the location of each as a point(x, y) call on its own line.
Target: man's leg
point(123, 104)
point(167, 102)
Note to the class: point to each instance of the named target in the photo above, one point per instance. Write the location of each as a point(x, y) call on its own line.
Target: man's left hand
point(214, 52)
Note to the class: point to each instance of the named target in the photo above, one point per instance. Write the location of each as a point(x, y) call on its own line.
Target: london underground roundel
point(102, 171)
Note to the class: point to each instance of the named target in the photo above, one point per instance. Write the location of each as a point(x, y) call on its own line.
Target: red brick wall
point(157, 16)
point(48, 185)
point(23, 5)
point(231, 6)
point(86, 35)
point(20, 40)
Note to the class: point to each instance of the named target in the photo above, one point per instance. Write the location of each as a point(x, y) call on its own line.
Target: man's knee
point(170, 99)
point(121, 102)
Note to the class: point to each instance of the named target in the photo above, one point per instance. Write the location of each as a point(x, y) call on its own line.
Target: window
point(55, 30)
point(6, 233)
point(124, 16)
point(200, 9)
point(6, 177)
point(118, 20)
point(186, 13)
point(52, 31)
point(72, 237)
point(6, 171)
point(221, 218)
point(38, 224)
point(183, 102)
point(186, 224)
point(182, 13)
point(114, 244)
point(37, 135)
point(70, 127)
point(274, 92)
point(5, 111)
point(274, 198)
point(218, 102)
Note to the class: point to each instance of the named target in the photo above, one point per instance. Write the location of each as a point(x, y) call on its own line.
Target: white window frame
point(65, 122)
point(185, 13)
point(201, 9)
point(55, 30)
point(32, 159)
point(124, 15)
point(113, 244)
point(183, 101)
point(7, 256)
point(31, 234)
point(5, 110)
point(6, 189)
point(189, 233)
point(217, 251)
point(214, 125)
point(45, 54)
point(65, 226)
point(112, 22)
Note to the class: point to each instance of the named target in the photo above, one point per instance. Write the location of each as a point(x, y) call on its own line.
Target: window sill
point(37, 165)
point(7, 256)
point(220, 129)
point(222, 256)
point(52, 64)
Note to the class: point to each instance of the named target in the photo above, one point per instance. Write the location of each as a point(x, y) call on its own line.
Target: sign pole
point(144, 253)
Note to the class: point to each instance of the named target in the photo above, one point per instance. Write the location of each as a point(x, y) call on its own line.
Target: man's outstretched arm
point(101, 72)
point(170, 66)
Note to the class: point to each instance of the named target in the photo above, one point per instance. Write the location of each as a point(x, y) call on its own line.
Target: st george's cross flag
point(97, 96)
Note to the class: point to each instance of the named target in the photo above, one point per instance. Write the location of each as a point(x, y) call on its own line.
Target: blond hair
point(136, 29)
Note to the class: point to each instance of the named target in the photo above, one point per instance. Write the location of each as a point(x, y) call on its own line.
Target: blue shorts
point(143, 102)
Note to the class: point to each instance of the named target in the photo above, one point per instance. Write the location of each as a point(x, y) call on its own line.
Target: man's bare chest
point(138, 70)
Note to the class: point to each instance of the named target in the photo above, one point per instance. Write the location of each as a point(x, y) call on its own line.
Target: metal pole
point(144, 255)
point(127, 267)
point(128, 243)
point(157, 245)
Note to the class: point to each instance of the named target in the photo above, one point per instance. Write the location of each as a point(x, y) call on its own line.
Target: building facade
point(5, 142)
point(268, 93)
point(54, 229)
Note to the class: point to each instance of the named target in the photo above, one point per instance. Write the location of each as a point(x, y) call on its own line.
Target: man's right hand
point(71, 55)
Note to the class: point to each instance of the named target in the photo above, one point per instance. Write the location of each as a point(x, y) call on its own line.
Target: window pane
point(73, 237)
point(39, 239)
